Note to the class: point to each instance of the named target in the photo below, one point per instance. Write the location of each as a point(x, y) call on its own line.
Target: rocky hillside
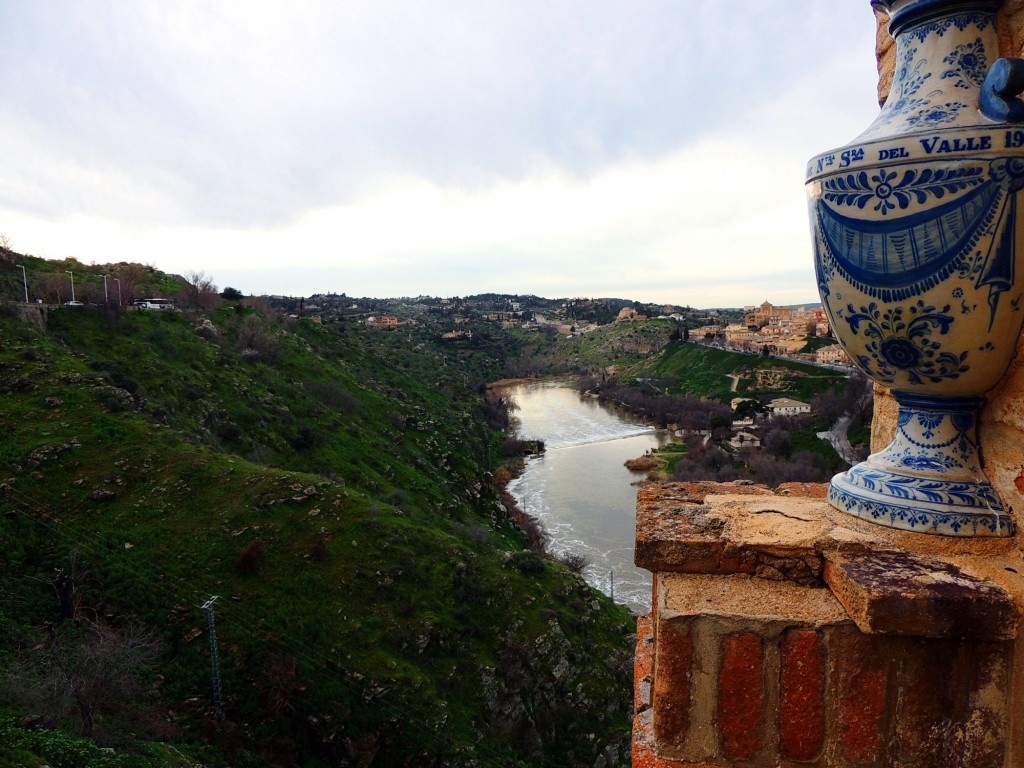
point(331, 485)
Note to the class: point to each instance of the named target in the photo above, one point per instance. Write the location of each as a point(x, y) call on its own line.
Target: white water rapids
point(579, 489)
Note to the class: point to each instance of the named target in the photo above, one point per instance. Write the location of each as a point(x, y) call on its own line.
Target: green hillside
point(699, 370)
point(377, 605)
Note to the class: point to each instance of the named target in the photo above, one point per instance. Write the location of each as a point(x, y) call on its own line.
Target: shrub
point(305, 437)
point(527, 562)
point(251, 558)
point(574, 561)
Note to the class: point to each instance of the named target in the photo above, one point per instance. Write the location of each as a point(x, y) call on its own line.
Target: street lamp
point(106, 297)
point(72, 283)
point(24, 280)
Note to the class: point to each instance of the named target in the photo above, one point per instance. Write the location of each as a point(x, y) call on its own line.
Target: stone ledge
point(898, 593)
point(890, 582)
point(781, 603)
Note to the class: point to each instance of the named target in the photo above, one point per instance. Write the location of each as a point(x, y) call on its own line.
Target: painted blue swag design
point(896, 258)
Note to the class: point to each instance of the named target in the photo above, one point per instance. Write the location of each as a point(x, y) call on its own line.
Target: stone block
point(979, 735)
point(900, 593)
point(775, 537)
point(643, 663)
point(926, 701)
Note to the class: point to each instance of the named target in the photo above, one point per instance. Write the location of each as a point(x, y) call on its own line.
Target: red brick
point(859, 661)
point(740, 695)
point(673, 665)
point(802, 688)
point(643, 663)
point(925, 704)
point(980, 735)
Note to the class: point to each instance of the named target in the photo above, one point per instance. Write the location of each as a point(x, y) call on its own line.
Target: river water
point(579, 489)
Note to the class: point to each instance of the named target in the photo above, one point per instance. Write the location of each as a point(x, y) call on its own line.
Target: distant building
point(784, 406)
point(745, 440)
point(831, 355)
point(766, 313)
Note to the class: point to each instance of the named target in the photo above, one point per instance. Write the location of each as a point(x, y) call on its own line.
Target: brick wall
point(780, 694)
point(867, 655)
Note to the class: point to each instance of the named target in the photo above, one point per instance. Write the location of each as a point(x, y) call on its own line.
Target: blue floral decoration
point(937, 114)
point(961, 21)
point(889, 192)
point(908, 83)
point(969, 64)
point(903, 342)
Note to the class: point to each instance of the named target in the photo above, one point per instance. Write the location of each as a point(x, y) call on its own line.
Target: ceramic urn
point(916, 243)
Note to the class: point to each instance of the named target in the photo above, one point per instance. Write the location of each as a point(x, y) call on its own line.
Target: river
point(579, 489)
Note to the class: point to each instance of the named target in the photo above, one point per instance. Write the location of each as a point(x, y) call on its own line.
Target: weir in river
point(579, 489)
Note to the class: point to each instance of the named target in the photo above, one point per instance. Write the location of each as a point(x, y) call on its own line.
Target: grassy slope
point(701, 370)
point(392, 614)
point(619, 343)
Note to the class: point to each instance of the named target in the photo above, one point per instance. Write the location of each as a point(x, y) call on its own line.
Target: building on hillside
point(628, 313)
point(832, 355)
point(790, 345)
point(766, 313)
point(706, 332)
point(784, 406)
point(740, 334)
point(744, 439)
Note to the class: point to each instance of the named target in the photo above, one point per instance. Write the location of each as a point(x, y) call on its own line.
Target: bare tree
point(69, 586)
point(199, 291)
point(96, 670)
point(132, 277)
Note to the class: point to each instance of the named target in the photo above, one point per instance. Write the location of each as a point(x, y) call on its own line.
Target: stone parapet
point(783, 634)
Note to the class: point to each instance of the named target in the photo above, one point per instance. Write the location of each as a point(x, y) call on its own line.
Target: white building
point(784, 406)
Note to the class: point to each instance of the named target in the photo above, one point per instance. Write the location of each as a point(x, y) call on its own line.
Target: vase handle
point(1004, 83)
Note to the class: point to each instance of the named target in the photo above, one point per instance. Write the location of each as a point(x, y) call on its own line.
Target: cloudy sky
point(650, 149)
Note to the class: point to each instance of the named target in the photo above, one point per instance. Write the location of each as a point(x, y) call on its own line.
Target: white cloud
point(384, 149)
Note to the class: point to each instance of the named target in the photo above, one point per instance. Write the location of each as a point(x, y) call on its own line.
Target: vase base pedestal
point(857, 493)
point(929, 478)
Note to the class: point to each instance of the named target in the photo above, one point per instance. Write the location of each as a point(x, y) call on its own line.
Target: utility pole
point(218, 699)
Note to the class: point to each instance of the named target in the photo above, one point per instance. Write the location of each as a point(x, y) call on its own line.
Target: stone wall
point(784, 633)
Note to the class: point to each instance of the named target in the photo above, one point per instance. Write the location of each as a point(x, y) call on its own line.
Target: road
point(837, 436)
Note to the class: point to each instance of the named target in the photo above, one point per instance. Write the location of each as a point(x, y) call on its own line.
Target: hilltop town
point(799, 333)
